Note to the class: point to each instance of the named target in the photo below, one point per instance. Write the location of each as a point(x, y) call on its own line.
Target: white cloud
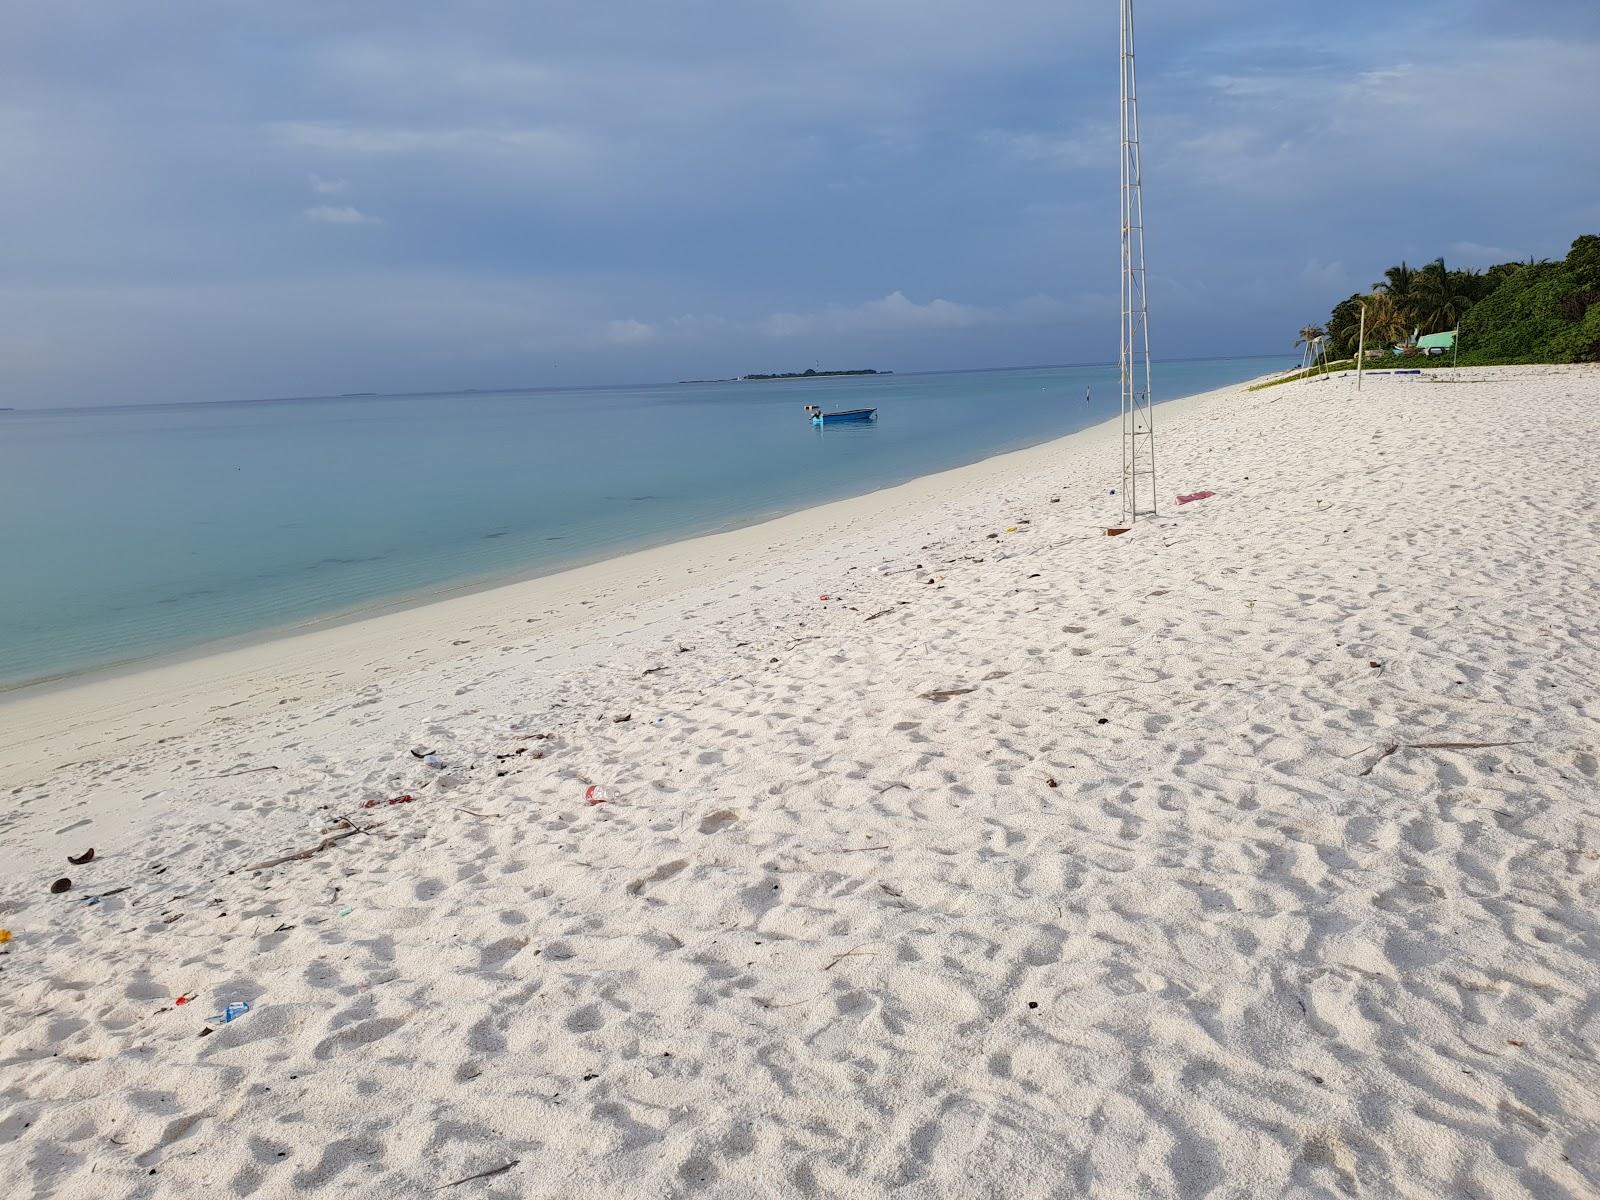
point(896, 313)
point(340, 214)
point(1475, 252)
point(1296, 134)
point(403, 140)
point(377, 331)
point(691, 326)
point(629, 333)
point(329, 187)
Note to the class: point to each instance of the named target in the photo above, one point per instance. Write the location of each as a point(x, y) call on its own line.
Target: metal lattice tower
point(1138, 419)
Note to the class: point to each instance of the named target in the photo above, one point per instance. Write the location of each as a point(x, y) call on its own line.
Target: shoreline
point(499, 576)
point(341, 643)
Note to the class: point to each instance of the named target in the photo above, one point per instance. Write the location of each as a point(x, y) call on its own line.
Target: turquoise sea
point(133, 531)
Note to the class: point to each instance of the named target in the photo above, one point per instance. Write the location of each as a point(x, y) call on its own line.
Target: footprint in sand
point(718, 821)
point(664, 871)
point(363, 1034)
point(175, 1131)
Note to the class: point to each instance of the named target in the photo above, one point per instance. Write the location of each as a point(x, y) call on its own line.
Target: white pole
point(1361, 347)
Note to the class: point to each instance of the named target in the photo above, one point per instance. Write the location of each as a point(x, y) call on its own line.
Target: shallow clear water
point(132, 531)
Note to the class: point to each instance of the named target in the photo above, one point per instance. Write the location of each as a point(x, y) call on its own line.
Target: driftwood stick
point(1382, 754)
point(1392, 747)
point(767, 1004)
point(500, 1170)
point(1456, 745)
point(351, 830)
point(853, 952)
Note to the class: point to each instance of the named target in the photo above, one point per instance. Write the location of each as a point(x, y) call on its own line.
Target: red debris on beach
point(406, 799)
point(596, 793)
point(1193, 496)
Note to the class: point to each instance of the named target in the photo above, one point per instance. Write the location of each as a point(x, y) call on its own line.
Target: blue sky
point(214, 200)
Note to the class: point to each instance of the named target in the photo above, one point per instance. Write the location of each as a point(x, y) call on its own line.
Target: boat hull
point(854, 415)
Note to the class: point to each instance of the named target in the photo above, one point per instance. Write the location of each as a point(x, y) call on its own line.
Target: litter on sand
point(78, 860)
point(374, 803)
point(1193, 496)
point(597, 793)
point(233, 1012)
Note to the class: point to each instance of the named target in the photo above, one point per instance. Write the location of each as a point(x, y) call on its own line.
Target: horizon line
point(596, 387)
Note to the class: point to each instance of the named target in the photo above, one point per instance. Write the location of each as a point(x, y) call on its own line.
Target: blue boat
point(819, 418)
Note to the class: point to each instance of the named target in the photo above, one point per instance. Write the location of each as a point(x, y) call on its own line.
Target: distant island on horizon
point(809, 373)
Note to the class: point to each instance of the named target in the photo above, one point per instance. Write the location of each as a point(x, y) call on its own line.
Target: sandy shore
point(1252, 853)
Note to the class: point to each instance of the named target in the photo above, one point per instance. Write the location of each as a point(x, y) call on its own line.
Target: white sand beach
point(954, 850)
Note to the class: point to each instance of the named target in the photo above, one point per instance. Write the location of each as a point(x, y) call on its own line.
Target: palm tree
point(1438, 299)
point(1386, 324)
point(1398, 283)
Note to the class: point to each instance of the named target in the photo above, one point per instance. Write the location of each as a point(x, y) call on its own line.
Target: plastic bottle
point(598, 793)
point(434, 761)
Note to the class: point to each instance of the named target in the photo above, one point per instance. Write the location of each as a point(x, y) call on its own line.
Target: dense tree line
point(1513, 312)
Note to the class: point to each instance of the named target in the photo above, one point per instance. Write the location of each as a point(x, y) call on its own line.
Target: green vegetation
point(1347, 364)
point(1511, 313)
point(809, 374)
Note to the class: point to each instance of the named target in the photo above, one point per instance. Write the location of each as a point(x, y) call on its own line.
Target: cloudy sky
point(208, 199)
